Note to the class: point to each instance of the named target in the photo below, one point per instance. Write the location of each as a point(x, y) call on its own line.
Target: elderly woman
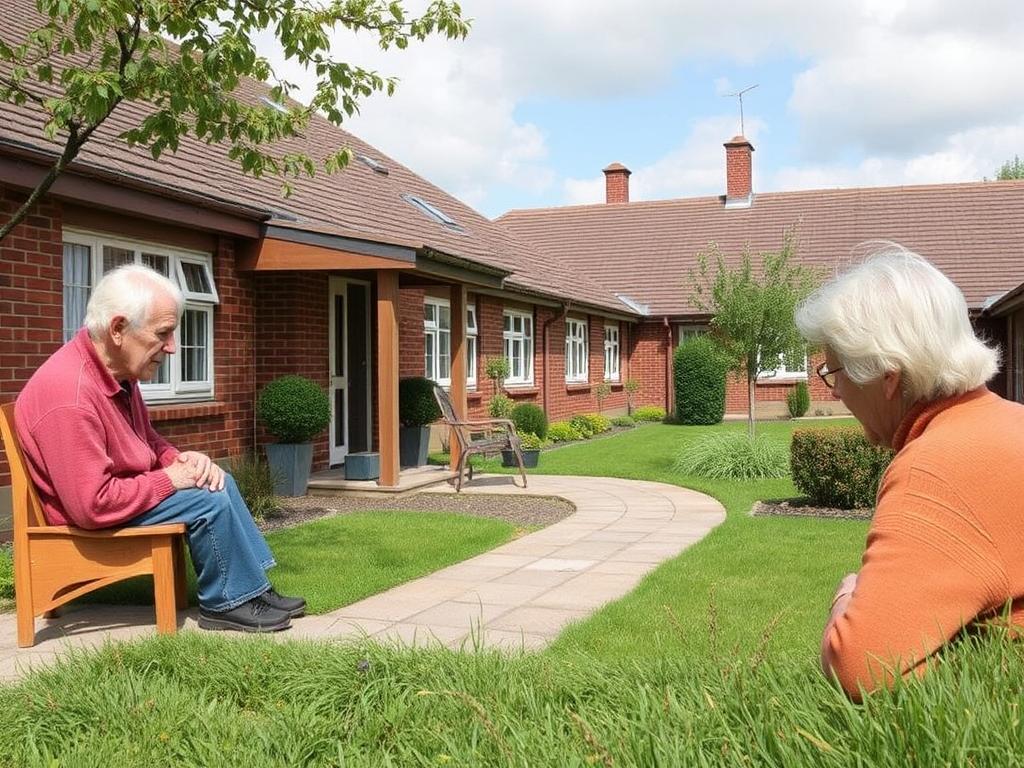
point(946, 545)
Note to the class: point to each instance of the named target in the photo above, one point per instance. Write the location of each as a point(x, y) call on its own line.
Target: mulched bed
point(521, 511)
point(803, 508)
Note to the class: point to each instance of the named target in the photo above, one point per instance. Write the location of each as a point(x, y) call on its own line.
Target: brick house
point(373, 274)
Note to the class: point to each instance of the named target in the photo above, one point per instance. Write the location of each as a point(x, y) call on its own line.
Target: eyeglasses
point(828, 376)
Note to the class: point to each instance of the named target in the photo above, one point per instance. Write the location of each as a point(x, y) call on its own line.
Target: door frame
point(339, 285)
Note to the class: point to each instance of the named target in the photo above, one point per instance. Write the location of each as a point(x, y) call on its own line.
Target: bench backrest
point(26, 507)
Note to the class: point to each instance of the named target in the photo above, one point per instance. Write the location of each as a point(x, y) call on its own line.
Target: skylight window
point(376, 165)
point(433, 212)
point(275, 104)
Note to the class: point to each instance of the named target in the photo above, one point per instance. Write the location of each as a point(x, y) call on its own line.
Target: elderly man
point(97, 461)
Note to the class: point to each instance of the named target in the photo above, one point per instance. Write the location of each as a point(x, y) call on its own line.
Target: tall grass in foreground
point(202, 700)
point(733, 456)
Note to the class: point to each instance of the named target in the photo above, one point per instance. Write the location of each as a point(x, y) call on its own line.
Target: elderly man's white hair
point(897, 312)
point(127, 291)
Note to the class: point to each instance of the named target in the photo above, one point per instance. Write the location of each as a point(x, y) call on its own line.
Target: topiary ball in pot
point(417, 408)
point(530, 418)
point(294, 409)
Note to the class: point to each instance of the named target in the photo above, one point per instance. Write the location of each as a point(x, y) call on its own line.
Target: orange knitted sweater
point(946, 545)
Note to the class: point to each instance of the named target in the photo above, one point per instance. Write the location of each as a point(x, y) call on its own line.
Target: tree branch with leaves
point(87, 57)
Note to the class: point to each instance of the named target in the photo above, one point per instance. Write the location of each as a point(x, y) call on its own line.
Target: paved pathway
point(519, 595)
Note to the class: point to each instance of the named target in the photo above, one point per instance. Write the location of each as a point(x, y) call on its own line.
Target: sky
point(543, 94)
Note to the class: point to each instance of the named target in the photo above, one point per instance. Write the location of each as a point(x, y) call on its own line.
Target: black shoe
point(256, 615)
point(293, 606)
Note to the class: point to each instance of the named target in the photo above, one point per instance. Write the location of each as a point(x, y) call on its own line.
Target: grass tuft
point(733, 456)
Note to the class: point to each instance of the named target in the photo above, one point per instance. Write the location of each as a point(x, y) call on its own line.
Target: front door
point(350, 368)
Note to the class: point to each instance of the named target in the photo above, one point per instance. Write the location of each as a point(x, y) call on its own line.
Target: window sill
point(474, 395)
point(615, 384)
point(176, 412)
point(784, 382)
point(527, 391)
point(577, 386)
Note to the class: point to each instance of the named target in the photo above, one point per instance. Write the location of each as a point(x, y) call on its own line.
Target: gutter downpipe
point(669, 389)
point(544, 340)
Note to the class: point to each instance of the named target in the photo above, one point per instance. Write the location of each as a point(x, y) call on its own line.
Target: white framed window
point(186, 376)
point(471, 336)
point(437, 340)
point(518, 346)
point(611, 352)
point(686, 332)
point(794, 368)
point(576, 352)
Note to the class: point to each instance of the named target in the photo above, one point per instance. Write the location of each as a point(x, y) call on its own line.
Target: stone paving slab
point(516, 597)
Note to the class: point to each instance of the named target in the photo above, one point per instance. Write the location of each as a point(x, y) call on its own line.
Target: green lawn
point(338, 560)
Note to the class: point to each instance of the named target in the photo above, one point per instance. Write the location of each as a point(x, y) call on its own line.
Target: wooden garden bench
point(479, 437)
point(54, 564)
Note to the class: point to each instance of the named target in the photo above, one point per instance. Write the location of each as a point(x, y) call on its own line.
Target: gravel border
point(521, 511)
point(801, 508)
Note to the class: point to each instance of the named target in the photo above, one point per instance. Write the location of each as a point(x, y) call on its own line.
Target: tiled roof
point(357, 202)
point(973, 232)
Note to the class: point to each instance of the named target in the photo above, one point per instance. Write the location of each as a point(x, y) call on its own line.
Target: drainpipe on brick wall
point(547, 358)
point(669, 384)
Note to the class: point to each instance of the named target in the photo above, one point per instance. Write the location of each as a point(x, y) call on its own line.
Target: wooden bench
point(54, 564)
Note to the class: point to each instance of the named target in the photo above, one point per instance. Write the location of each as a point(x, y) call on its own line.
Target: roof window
point(375, 165)
point(433, 212)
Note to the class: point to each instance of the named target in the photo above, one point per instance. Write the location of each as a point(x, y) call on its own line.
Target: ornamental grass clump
point(837, 467)
point(255, 480)
point(798, 400)
point(733, 456)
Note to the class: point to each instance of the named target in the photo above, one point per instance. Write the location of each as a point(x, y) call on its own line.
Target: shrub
point(6, 572)
point(530, 441)
point(601, 392)
point(255, 480)
point(699, 371)
point(582, 426)
point(632, 386)
point(734, 456)
point(623, 421)
point(501, 406)
point(530, 418)
point(294, 409)
point(798, 400)
point(837, 466)
point(649, 413)
point(417, 406)
point(563, 432)
point(597, 422)
point(497, 369)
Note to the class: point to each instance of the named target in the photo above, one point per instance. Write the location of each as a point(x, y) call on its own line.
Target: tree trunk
point(751, 402)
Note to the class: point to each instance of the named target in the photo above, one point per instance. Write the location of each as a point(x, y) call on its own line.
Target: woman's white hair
point(129, 292)
point(897, 312)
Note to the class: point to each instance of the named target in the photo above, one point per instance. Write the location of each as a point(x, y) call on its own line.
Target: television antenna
point(739, 95)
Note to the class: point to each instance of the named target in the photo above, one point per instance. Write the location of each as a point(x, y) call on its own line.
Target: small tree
point(1011, 169)
point(601, 392)
point(497, 369)
point(89, 56)
point(632, 386)
point(753, 309)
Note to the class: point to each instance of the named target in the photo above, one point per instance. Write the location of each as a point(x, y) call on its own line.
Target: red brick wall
point(773, 393)
point(291, 328)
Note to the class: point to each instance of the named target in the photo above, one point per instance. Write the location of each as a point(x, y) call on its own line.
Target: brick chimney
point(738, 187)
point(616, 183)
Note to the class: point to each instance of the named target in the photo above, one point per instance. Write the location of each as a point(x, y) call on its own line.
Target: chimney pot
point(738, 173)
point(616, 183)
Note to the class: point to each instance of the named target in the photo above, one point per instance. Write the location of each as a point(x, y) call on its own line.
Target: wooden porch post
point(387, 375)
point(458, 386)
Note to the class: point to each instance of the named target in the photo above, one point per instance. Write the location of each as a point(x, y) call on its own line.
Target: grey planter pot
point(413, 443)
point(530, 458)
point(290, 463)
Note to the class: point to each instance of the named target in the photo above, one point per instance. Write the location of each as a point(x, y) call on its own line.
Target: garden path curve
point(519, 595)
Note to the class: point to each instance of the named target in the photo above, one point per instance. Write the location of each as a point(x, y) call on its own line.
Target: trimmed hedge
point(417, 406)
point(699, 372)
point(530, 418)
point(837, 466)
point(798, 400)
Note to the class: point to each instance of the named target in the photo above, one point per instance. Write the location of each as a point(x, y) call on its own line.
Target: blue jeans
point(228, 551)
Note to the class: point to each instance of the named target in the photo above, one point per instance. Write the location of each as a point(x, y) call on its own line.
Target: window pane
point(508, 323)
point(471, 358)
point(116, 257)
point(445, 354)
point(430, 354)
point(471, 320)
point(445, 318)
point(196, 280)
point(194, 348)
point(428, 313)
point(528, 359)
point(160, 263)
point(339, 418)
point(77, 285)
